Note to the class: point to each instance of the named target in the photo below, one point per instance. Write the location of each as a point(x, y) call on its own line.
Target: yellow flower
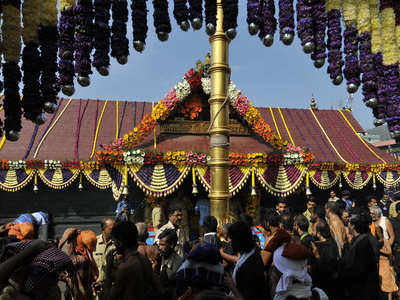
point(349, 12)
point(363, 17)
point(332, 4)
point(390, 55)
point(375, 26)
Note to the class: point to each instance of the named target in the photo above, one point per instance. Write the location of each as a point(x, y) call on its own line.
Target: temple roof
point(80, 126)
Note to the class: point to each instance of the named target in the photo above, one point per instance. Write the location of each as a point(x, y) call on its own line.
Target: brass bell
point(268, 40)
point(319, 63)
point(287, 38)
point(196, 23)
point(50, 107)
point(372, 102)
point(122, 60)
point(210, 29)
point(379, 122)
point(84, 80)
point(352, 88)
point(68, 90)
point(103, 71)
point(231, 33)
point(184, 25)
point(308, 47)
point(139, 46)
point(253, 28)
point(40, 119)
point(338, 80)
point(163, 36)
point(12, 135)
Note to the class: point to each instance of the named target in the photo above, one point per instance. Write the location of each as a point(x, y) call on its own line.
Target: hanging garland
point(11, 29)
point(139, 22)
point(162, 22)
point(48, 41)
point(66, 62)
point(305, 25)
point(231, 10)
point(101, 42)
point(334, 44)
point(83, 40)
point(286, 21)
point(211, 16)
point(196, 13)
point(268, 23)
point(320, 23)
point(119, 42)
point(181, 14)
point(31, 101)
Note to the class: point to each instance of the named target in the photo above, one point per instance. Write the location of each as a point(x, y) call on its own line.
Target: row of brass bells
point(184, 25)
point(395, 134)
point(103, 71)
point(352, 88)
point(12, 135)
point(308, 47)
point(196, 23)
point(379, 122)
point(50, 107)
point(210, 29)
point(268, 40)
point(122, 60)
point(338, 80)
point(84, 80)
point(68, 89)
point(40, 119)
point(231, 33)
point(163, 36)
point(319, 63)
point(287, 38)
point(139, 46)
point(372, 102)
point(253, 28)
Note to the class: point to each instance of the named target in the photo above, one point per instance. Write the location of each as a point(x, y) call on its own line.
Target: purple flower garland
point(83, 40)
point(351, 67)
point(196, 13)
point(48, 41)
point(380, 111)
point(211, 16)
point(139, 23)
point(181, 14)
point(286, 21)
point(320, 22)
point(367, 68)
point(32, 101)
point(268, 23)
point(391, 77)
point(12, 101)
point(119, 41)
point(334, 46)
point(102, 34)
point(66, 66)
point(161, 19)
point(231, 10)
point(305, 25)
point(253, 15)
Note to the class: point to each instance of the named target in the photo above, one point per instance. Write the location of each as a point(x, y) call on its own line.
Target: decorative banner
point(14, 180)
point(58, 178)
point(357, 179)
point(98, 177)
point(324, 179)
point(117, 183)
point(281, 180)
point(237, 177)
point(388, 179)
point(159, 180)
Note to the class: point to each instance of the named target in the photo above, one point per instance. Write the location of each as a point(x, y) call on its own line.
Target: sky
point(278, 76)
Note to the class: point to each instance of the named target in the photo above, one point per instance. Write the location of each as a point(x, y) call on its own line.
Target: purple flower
point(351, 68)
point(119, 41)
point(102, 33)
point(367, 67)
point(231, 11)
point(253, 10)
point(12, 102)
point(305, 21)
point(320, 21)
point(66, 28)
point(181, 11)
point(211, 12)
point(139, 20)
point(161, 17)
point(286, 17)
point(334, 44)
point(268, 20)
point(196, 10)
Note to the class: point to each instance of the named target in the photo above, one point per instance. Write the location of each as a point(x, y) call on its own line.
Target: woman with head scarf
point(21, 231)
point(80, 245)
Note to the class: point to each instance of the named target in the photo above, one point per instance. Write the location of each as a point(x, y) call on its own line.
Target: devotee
point(396, 245)
point(301, 228)
point(280, 206)
point(248, 274)
point(359, 268)
point(175, 216)
point(346, 199)
point(80, 245)
point(333, 196)
point(157, 216)
point(383, 222)
point(371, 201)
point(21, 231)
point(311, 204)
point(385, 203)
point(149, 251)
point(125, 209)
point(325, 265)
point(336, 225)
point(210, 225)
point(317, 216)
point(169, 263)
point(29, 270)
point(40, 222)
point(134, 277)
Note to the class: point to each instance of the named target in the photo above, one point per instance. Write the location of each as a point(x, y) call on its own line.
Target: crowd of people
point(336, 249)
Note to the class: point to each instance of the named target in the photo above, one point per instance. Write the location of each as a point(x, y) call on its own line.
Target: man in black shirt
point(396, 245)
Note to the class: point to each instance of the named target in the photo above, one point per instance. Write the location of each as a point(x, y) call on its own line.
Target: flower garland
point(351, 68)
point(83, 11)
point(11, 29)
point(231, 10)
point(196, 13)
point(191, 109)
point(211, 16)
point(31, 101)
point(268, 23)
point(334, 44)
point(320, 22)
point(66, 29)
point(102, 34)
point(119, 41)
point(286, 21)
point(181, 14)
point(162, 22)
point(47, 164)
point(48, 42)
point(139, 23)
point(305, 25)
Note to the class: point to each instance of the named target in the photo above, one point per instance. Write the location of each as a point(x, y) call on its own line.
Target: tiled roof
point(71, 133)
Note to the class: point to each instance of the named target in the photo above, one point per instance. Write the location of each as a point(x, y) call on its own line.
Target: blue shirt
point(349, 204)
point(124, 205)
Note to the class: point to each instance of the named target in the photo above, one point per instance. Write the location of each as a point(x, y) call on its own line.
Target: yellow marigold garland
point(31, 19)
point(66, 4)
point(349, 12)
point(332, 4)
point(375, 27)
point(49, 13)
point(11, 30)
point(363, 17)
point(389, 51)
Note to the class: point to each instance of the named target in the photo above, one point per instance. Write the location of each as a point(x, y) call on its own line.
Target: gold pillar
point(219, 112)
